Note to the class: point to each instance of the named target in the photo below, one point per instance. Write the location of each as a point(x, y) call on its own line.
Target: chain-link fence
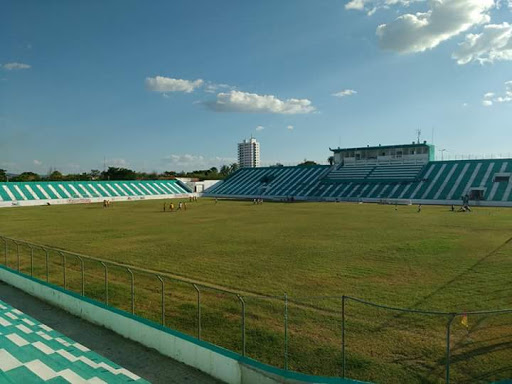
point(339, 336)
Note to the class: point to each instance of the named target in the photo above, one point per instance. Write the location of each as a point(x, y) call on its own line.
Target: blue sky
point(174, 85)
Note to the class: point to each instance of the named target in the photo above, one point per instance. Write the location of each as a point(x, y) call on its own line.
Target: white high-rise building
point(249, 153)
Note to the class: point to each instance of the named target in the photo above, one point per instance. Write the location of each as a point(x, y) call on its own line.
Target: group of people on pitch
point(181, 206)
point(463, 208)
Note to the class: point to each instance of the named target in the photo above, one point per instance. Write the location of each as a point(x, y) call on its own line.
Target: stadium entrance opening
point(476, 194)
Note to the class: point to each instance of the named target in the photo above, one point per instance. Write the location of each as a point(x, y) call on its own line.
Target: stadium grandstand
point(69, 192)
point(394, 174)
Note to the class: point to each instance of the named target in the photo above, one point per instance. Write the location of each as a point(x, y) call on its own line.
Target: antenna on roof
point(418, 133)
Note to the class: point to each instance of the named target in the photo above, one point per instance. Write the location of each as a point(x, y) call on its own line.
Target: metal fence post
point(243, 323)
point(198, 311)
point(18, 254)
point(343, 361)
point(132, 289)
point(106, 281)
point(47, 266)
point(5, 256)
point(31, 261)
point(64, 268)
point(163, 298)
point(285, 331)
point(448, 331)
point(83, 274)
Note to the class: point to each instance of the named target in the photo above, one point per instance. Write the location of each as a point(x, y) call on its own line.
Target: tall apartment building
point(249, 153)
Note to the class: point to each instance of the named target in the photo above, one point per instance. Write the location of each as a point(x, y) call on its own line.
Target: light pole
point(442, 153)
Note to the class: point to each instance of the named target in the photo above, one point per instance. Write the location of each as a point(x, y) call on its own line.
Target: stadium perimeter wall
point(220, 363)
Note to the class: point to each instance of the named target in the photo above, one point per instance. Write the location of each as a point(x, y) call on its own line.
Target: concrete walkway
point(144, 362)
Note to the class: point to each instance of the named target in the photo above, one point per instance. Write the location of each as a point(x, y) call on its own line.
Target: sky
point(175, 85)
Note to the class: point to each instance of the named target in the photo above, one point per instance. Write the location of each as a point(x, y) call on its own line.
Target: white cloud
point(290, 127)
point(371, 6)
point(490, 97)
point(38, 162)
point(167, 84)
point(187, 162)
point(213, 88)
point(503, 99)
point(494, 43)
point(421, 31)
point(355, 4)
point(465, 105)
point(260, 128)
point(344, 93)
point(120, 163)
point(237, 101)
point(15, 66)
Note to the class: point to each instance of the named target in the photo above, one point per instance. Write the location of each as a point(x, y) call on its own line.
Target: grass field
point(435, 260)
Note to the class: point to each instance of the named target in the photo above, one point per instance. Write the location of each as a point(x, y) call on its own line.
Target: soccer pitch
point(431, 260)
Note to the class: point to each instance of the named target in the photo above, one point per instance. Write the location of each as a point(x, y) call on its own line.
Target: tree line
point(117, 173)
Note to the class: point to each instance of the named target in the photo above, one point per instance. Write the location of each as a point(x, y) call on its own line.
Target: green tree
point(3, 175)
point(307, 163)
point(27, 176)
point(330, 160)
point(95, 174)
point(114, 173)
point(225, 170)
point(234, 167)
point(55, 175)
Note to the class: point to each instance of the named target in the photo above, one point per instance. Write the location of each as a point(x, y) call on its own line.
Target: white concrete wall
point(25, 203)
point(201, 186)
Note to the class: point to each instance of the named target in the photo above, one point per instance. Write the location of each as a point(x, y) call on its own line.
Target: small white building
point(249, 153)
